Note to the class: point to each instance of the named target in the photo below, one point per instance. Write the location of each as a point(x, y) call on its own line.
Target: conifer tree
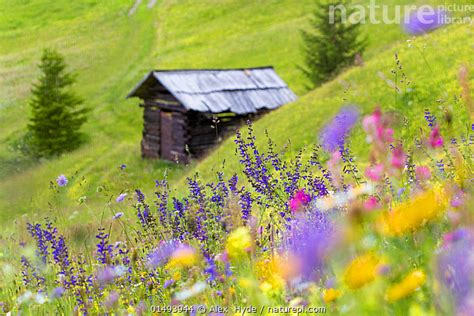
point(56, 113)
point(332, 42)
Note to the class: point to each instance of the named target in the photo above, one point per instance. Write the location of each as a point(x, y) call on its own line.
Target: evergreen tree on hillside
point(56, 115)
point(331, 44)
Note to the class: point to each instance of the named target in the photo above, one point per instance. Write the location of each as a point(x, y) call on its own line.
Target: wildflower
point(409, 216)
point(456, 235)
point(308, 242)
point(112, 300)
point(375, 173)
point(190, 292)
point(375, 128)
point(455, 265)
point(398, 157)
point(299, 200)
point(184, 256)
point(40, 298)
point(168, 283)
point(406, 287)
point(57, 292)
point(362, 270)
point(117, 215)
point(371, 203)
point(123, 166)
point(62, 180)
point(269, 274)
point(161, 254)
point(121, 197)
point(334, 133)
point(423, 173)
point(457, 199)
point(106, 275)
point(424, 20)
point(435, 138)
point(331, 294)
point(238, 243)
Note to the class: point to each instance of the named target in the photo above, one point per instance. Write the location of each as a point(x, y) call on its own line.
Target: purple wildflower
point(57, 292)
point(308, 240)
point(117, 215)
point(333, 135)
point(168, 283)
point(424, 20)
point(455, 266)
point(112, 300)
point(121, 197)
point(106, 275)
point(104, 249)
point(160, 255)
point(62, 180)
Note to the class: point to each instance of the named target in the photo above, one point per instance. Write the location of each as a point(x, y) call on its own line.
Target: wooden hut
point(186, 112)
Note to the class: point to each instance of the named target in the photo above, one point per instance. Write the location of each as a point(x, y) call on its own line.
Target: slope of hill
point(111, 51)
point(431, 65)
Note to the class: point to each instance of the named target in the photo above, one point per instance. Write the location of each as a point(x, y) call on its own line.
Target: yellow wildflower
point(406, 286)
point(183, 257)
point(238, 243)
point(362, 270)
point(411, 215)
point(176, 276)
point(268, 272)
point(331, 294)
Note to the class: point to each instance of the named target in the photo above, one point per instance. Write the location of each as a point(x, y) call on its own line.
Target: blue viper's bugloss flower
point(334, 133)
point(62, 180)
point(424, 20)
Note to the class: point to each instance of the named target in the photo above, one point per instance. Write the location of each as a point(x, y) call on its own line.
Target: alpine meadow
point(231, 157)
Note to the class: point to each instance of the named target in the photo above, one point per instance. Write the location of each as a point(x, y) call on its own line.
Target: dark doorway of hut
point(166, 147)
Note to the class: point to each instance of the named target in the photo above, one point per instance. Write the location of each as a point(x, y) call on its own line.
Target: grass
point(431, 64)
point(111, 51)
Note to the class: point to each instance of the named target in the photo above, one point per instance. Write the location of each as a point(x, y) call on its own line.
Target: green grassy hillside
point(111, 51)
point(431, 64)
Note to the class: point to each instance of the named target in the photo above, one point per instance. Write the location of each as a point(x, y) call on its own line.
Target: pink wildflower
point(299, 200)
point(371, 204)
point(374, 173)
point(423, 173)
point(435, 138)
point(398, 157)
point(375, 128)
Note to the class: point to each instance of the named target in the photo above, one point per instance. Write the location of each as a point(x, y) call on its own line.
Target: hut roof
point(240, 91)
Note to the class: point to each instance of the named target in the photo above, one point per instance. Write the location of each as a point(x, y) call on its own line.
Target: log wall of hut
point(172, 133)
point(151, 132)
point(206, 130)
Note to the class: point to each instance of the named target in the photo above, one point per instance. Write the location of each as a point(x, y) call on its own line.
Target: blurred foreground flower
point(184, 257)
point(362, 270)
point(424, 20)
point(409, 216)
point(333, 135)
point(406, 287)
point(331, 294)
point(456, 266)
point(239, 243)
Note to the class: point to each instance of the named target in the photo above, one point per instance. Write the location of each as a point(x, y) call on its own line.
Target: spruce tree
point(330, 46)
point(56, 112)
